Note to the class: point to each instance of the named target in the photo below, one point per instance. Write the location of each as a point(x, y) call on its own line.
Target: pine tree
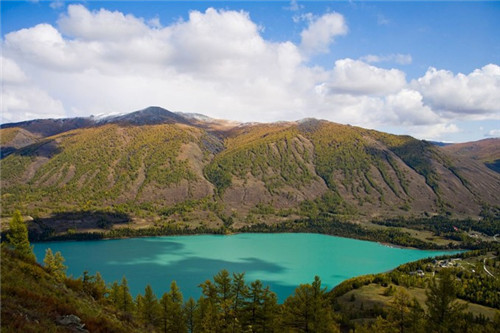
point(99, 287)
point(442, 305)
point(55, 264)
point(126, 303)
point(176, 313)
point(222, 282)
point(171, 313)
point(114, 294)
point(190, 314)
point(17, 236)
point(308, 309)
point(240, 293)
point(48, 261)
point(208, 313)
point(150, 308)
point(166, 305)
point(399, 310)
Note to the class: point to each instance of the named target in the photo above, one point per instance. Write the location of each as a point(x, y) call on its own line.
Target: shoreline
point(142, 233)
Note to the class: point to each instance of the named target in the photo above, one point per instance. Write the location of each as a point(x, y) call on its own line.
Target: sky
point(426, 69)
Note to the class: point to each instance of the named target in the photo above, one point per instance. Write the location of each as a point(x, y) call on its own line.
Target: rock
point(73, 322)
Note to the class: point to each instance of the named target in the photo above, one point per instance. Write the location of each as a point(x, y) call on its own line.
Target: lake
point(282, 261)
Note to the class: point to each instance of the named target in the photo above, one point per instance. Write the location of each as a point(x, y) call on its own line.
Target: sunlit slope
point(100, 166)
point(193, 172)
point(35, 301)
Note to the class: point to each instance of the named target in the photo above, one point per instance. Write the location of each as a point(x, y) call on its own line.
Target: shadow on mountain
point(45, 149)
point(72, 222)
point(495, 165)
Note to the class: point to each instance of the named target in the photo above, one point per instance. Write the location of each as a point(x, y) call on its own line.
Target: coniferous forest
point(35, 296)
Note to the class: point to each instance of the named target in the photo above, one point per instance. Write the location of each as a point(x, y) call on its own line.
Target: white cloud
point(11, 73)
point(494, 133)
point(28, 102)
point(356, 77)
point(320, 33)
point(398, 58)
point(101, 25)
point(294, 6)
point(57, 4)
point(218, 63)
point(473, 96)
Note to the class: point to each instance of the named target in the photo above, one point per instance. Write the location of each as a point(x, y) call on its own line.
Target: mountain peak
point(149, 116)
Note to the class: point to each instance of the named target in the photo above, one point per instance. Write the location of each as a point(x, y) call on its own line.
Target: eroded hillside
point(206, 172)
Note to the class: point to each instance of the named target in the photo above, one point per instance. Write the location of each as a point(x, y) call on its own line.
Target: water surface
point(282, 261)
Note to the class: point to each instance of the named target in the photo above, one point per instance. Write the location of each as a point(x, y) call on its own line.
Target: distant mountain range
point(159, 166)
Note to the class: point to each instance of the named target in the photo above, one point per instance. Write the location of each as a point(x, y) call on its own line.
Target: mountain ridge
point(161, 167)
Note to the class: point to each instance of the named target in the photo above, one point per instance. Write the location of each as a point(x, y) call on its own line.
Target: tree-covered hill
point(162, 168)
point(458, 294)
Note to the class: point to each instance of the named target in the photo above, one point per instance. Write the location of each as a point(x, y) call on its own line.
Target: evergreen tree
point(443, 308)
point(190, 314)
point(399, 310)
point(416, 318)
point(308, 309)
point(208, 310)
point(126, 302)
point(176, 313)
point(17, 236)
point(166, 305)
point(149, 307)
point(99, 287)
point(55, 264)
point(240, 292)
point(48, 260)
point(114, 295)
point(222, 282)
point(171, 312)
point(260, 308)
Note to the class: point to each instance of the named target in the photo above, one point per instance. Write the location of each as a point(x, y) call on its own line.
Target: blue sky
point(431, 70)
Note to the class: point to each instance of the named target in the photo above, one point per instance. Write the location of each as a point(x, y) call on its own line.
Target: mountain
point(486, 151)
point(158, 167)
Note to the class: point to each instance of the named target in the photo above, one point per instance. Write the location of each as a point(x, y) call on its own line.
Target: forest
point(38, 297)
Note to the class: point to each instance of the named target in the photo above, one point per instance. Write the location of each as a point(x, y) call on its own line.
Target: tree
point(399, 310)
point(308, 309)
point(148, 307)
point(126, 303)
point(18, 236)
point(209, 315)
point(100, 289)
point(114, 294)
point(443, 308)
point(240, 292)
point(55, 264)
point(190, 314)
point(171, 313)
point(223, 286)
point(261, 308)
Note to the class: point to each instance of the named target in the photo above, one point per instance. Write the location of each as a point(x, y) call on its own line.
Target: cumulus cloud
point(320, 33)
point(473, 96)
point(356, 77)
point(217, 62)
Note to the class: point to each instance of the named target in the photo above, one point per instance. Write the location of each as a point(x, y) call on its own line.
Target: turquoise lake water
point(282, 261)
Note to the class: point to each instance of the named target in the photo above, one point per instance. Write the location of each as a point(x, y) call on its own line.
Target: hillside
point(486, 151)
point(156, 167)
point(36, 299)
point(33, 300)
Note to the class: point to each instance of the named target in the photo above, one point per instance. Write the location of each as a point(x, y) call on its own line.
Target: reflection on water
point(282, 261)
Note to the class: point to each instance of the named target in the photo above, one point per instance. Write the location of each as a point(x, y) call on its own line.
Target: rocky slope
point(157, 166)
